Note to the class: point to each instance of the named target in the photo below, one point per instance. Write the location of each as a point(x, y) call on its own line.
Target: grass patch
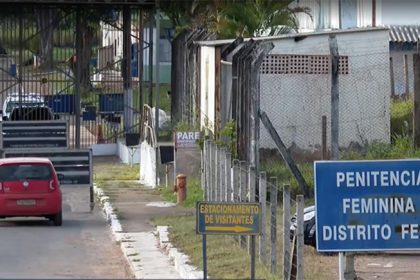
point(111, 171)
point(194, 193)
point(402, 116)
point(227, 260)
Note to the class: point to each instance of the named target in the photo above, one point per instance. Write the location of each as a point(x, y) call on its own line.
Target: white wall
point(128, 155)
point(295, 103)
point(207, 87)
point(147, 165)
point(104, 149)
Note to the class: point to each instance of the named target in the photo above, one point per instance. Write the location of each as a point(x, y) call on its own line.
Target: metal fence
point(185, 91)
point(229, 180)
point(83, 63)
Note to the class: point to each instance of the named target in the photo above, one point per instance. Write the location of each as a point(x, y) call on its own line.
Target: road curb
point(161, 237)
point(180, 260)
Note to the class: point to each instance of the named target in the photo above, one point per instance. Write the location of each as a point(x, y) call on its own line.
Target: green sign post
point(228, 218)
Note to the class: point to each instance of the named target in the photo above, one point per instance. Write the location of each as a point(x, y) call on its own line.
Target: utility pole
point(373, 13)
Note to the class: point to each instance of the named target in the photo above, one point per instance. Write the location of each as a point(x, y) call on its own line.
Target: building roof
point(404, 33)
point(293, 35)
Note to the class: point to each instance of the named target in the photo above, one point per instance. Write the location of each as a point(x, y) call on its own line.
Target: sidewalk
point(129, 207)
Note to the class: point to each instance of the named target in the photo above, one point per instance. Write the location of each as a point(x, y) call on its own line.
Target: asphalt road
point(82, 248)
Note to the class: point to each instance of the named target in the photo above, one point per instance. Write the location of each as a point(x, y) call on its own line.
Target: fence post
point(222, 188)
point(262, 199)
point(391, 74)
point(324, 138)
point(406, 78)
point(251, 187)
point(242, 198)
point(228, 181)
point(211, 171)
point(243, 179)
point(236, 180)
point(207, 161)
point(217, 174)
point(286, 231)
point(334, 96)
point(416, 101)
point(299, 248)
point(273, 224)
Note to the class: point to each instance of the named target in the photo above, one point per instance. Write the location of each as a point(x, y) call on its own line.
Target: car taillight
point(52, 185)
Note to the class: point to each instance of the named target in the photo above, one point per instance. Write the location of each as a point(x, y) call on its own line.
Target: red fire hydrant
point(181, 188)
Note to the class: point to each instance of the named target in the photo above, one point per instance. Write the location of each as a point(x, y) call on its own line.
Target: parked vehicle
point(309, 227)
point(31, 114)
point(29, 106)
point(29, 187)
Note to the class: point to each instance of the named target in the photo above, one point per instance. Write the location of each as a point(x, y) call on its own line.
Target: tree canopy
point(232, 18)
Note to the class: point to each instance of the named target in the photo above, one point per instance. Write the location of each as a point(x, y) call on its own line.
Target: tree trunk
point(88, 39)
point(45, 23)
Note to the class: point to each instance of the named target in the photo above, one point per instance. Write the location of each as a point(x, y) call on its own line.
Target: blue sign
point(367, 205)
point(228, 218)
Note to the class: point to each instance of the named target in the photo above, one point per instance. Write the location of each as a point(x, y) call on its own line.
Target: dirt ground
point(384, 266)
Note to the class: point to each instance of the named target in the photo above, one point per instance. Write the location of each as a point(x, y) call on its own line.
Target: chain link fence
point(297, 97)
point(230, 180)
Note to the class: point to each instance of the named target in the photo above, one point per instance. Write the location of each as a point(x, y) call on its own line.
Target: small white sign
point(187, 139)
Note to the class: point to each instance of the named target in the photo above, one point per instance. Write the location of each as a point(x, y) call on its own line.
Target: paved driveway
point(82, 248)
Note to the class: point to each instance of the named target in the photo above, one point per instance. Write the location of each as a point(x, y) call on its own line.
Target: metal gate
point(68, 62)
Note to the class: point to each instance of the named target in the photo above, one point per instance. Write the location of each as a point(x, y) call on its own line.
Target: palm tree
point(190, 14)
point(253, 18)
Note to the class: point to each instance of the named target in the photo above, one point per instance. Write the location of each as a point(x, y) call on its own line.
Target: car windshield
point(12, 105)
point(14, 172)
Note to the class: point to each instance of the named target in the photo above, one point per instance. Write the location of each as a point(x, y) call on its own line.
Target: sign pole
point(341, 265)
point(204, 257)
point(175, 144)
point(252, 257)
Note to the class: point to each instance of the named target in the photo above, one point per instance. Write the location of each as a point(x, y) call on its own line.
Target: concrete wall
point(147, 165)
point(104, 149)
point(128, 155)
point(295, 103)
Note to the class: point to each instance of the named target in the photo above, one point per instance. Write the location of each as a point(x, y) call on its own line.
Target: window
point(15, 172)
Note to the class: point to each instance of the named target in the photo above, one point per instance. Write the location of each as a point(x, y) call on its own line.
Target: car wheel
point(57, 219)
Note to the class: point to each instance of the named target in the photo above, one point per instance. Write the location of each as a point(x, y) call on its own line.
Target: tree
point(190, 14)
point(232, 18)
point(45, 21)
point(253, 18)
point(89, 27)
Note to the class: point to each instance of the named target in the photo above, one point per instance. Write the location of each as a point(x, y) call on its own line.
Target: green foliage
point(228, 137)
point(400, 147)
point(257, 18)
point(402, 116)
point(190, 14)
point(245, 18)
point(277, 168)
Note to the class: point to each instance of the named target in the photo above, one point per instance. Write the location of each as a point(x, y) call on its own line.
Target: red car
point(29, 187)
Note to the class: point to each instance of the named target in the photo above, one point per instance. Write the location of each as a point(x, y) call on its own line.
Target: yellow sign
point(228, 218)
